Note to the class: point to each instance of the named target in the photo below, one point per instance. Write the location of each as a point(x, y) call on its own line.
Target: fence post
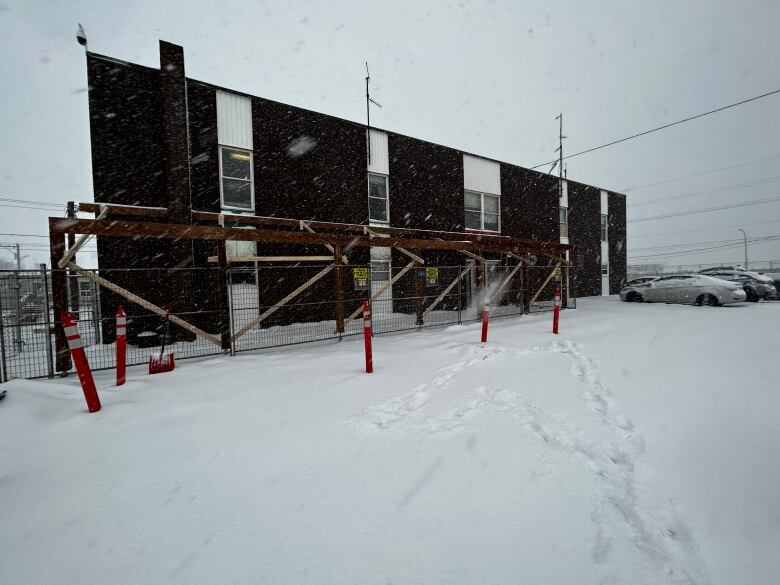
point(76, 346)
point(3, 373)
point(231, 308)
point(526, 285)
point(367, 337)
point(419, 277)
point(338, 275)
point(18, 343)
point(121, 345)
point(222, 266)
point(47, 321)
point(460, 297)
point(59, 288)
point(96, 312)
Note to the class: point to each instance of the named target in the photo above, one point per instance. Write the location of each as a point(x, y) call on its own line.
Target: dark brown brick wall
point(585, 234)
point(617, 242)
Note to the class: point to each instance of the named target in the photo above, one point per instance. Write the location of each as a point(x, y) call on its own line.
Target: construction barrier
point(556, 310)
point(485, 318)
point(121, 345)
point(367, 337)
point(76, 346)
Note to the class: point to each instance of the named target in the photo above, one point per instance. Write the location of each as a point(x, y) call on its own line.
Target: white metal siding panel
point(564, 194)
point(380, 160)
point(234, 120)
point(482, 175)
point(604, 203)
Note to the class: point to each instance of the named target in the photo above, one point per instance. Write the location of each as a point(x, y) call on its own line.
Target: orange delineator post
point(79, 356)
point(121, 345)
point(485, 317)
point(556, 310)
point(367, 337)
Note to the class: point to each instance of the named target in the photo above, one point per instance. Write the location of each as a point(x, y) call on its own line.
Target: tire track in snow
point(665, 543)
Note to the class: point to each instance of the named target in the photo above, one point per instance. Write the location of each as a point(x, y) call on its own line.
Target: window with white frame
point(605, 270)
point(603, 227)
point(380, 271)
point(564, 220)
point(236, 178)
point(378, 200)
point(483, 211)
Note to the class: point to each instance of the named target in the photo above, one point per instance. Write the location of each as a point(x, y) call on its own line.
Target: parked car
point(698, 289)
point(775, 276)
point(640, 280)
point(756, 286)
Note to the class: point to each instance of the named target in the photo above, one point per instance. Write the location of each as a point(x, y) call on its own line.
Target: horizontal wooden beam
point(547, 248)
point(131, 210)
point(124, 228)
point(274, 258)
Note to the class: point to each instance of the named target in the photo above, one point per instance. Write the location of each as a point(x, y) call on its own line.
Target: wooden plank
point(506, 281)
point(131, 210)
point(222, 294)
point(144, 303)
point(305, 226)
point(376, 295)
point(268, 312)
point(339, 291)
point(443, 294)
point(546, 280)
point(274, 259)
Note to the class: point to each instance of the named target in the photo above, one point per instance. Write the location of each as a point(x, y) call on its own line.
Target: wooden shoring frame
point(305, 226)
point(374, 296)
point(412, 238)
point(123, 292)
point(447, 290)
point(271, 310)
point(415, 257)
point(544, 284)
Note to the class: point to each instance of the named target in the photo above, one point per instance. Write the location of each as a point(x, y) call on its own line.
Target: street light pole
point(744, 235)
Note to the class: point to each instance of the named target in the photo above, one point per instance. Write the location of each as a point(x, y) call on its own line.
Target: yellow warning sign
point(558, 271)
point(360, 273)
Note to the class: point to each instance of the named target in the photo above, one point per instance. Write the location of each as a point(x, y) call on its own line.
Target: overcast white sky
point(486, 77)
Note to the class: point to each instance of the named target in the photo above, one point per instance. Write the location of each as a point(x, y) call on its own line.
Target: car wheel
point(707, 300)
point(637, 298)
point(752, 297)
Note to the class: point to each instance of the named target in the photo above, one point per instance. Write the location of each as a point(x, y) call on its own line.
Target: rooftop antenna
point(369, 101)
point(559, 150)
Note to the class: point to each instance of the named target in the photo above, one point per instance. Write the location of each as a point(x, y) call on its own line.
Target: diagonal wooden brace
point(374, 296)
point(305, 226)
point(268, 312)
point(446, 290)
point(81, 241)
point(546, 280)
point(143, 303)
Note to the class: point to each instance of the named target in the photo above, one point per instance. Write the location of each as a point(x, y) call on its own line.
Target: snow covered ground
point(639, 446)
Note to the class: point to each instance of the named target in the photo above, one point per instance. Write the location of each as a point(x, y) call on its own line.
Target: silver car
point(697, 289)
point(756, 286)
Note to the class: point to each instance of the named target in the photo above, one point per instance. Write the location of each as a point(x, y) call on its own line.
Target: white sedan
point(697, 289)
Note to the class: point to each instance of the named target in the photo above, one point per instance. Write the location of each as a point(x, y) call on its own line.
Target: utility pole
point(369, 101)
point(73, 279)
point(744, 235)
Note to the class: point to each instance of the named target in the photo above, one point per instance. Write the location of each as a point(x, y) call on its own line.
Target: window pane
point(491, 204)
point(240, 248)
point(236, 193)
point(564, 230)
point(472, 201)
point(491, 222)
point(377, 209)
point(377, 186)
point(380, 271)
point(473, 220)
point(564, 215)
point(236, 164)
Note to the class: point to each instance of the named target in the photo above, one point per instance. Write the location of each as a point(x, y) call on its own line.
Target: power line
point(752, 162)
point(706, 229)
point(720, 189)
point(25, 235)
point(688, 119)
point(710, 248)
point(47, 209)
point(706, 209)
point(667, 246)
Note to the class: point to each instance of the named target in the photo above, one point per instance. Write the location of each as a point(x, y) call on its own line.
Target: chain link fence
point(248, 309)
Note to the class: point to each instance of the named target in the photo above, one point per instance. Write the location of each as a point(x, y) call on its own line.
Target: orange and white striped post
point(367, 337)
point(556, 310)
point(121, 345)
point(485, 318)
point(76, 346)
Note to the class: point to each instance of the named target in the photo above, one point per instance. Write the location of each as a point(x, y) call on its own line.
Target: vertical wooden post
point(224, 308)
point(480, 274)
point(419, 290)
point(526, 285)
point(339, 276)
point(563, 284)
point(59, 289)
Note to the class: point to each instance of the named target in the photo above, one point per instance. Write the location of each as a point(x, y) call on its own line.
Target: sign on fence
point(557, 272)
point(360, 276)
point(431, 277)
